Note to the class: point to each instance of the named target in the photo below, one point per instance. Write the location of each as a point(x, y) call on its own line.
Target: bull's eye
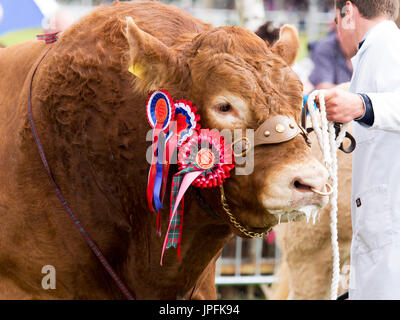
point(225, 107)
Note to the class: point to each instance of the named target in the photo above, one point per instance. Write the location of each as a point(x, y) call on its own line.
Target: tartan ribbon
point(180, 183)
point(204, 161)
point(48, 37)
point(171, 144)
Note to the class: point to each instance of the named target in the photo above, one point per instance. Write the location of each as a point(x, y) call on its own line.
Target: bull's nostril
point(302, 187)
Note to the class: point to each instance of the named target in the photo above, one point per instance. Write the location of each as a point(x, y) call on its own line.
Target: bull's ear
point(288, 44)
point(150, 58)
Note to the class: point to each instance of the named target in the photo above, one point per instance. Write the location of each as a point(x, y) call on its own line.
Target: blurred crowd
point(296, 5)
point(327, 64)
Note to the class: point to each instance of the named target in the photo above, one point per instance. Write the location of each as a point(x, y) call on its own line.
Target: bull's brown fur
point(90, 117)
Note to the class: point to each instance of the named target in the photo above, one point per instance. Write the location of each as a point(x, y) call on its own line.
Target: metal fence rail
point(247, 262)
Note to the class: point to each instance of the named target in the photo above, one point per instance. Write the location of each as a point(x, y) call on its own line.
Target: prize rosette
point(173, 124)
point(205, 161)
point(160, 110)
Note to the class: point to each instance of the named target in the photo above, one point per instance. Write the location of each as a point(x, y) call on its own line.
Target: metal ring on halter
point(305, 135)
point(328, 193)
point(248, 147)
point(352, 146)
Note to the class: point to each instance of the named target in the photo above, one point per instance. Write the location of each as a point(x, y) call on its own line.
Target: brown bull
point(90, 116)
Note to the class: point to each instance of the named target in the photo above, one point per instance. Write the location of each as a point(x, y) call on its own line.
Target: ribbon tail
point(187, 181)
point(159, 224)
point(180, 210)
point(170, 146)
point(159, 173)
point(153, 169)
point(150, 185)
point(156, 195)
point(169, 152)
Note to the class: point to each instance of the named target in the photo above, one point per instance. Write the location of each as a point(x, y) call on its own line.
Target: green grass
point(19, 36)
point(303, 50)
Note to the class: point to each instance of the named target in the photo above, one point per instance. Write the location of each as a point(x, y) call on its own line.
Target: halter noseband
point(275, 130)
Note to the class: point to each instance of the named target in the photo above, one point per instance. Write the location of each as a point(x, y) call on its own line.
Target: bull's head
point(238, 82)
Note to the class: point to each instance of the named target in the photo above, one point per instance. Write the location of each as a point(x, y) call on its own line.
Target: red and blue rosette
point(160, 110)
point(205, 161)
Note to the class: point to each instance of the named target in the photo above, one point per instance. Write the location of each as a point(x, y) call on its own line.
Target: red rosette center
point(207, 151)
point(205, 158)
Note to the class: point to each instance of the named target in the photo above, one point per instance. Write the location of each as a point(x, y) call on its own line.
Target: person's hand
point(343, 106)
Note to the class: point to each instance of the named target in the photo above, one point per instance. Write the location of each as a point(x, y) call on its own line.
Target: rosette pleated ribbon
point(205, 161)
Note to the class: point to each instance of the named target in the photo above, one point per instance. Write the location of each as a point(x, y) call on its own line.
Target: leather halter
point(275, 130)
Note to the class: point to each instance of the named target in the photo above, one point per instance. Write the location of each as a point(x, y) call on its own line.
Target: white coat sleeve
point(386, 100)
point(386, 110)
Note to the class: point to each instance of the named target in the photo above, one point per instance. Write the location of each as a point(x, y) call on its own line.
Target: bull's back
point(166, 23)
point(16, 64)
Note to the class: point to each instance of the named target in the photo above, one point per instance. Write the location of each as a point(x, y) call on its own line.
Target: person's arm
point(378, 110)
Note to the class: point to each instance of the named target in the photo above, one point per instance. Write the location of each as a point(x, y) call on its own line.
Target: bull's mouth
point(306, 213)
point(298, 214)
point(284, 215)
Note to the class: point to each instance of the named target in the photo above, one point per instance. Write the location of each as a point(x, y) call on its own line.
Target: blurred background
point(21, 20)
point(246, 268)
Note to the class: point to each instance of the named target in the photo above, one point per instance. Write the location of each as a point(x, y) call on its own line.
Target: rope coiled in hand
point(329, 144)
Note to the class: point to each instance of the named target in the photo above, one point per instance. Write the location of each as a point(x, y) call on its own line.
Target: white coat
point(375, 250)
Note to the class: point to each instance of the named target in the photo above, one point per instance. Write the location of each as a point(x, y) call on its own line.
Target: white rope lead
point(329, 144)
